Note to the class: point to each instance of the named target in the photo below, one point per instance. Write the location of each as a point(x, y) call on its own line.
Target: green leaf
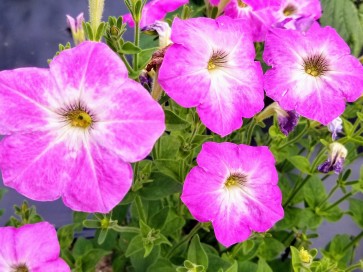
point(157, 220)
point(161, 187)
point(247, 266)
point(263, 266)
point(336, 250)
point(174, 122)
point(270, 248)
point(145, 57)
point(356, 209)
point(233, 267)
point(301, 163)
point(90, 260)
point(170, 168)
point(343, 16)
point(196, 253)
point(78, 218)
point(314, 191)
point(102, 236)
point(92, 224)
point(129, 48)
point(100, 31)
point(348, 127)
point(168, 146)
point(65, 236)
point(136, 245)
point(81, 247)
point(161, 265)
point(88, 30)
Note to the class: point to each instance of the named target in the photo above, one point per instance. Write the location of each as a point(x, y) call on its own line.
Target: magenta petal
point(58, 265)
point(23, 160)
point(36, 244)
point(24, 104)
point(100, 179)
point(7, 251)
point(131, 124)
point(88, 67)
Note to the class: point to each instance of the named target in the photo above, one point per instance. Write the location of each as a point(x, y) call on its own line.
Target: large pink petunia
point(312, 73)
point(32, 247)
point(73, 129)
point(258, 13)
point(235, 188)
point(211, 66)
point(154, 11)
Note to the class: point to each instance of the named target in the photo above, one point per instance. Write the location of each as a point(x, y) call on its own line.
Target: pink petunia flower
point(235, 188)
point(257, 12)
point(296, 14)
point(32, 247)
point(74, 128)
point(312, 73)
point(211, 66)
point(155, 10)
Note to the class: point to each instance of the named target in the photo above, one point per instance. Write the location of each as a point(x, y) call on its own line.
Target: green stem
point(354, 267)
point(353, 242)
point(297, 138)
point(140, 209)
point(329, 195)
point(125, 229)
point(137, 43)
point(336, 203)
point(295, 191)
point(318, 159)
point(184, 240)
point(250, 130)
point(128, 66)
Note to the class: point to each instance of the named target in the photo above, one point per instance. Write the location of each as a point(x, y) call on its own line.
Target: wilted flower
point(335, 161)
point(30, 248)
point(287, 120)
point(162, 29)
point(235, 188)
point(155, 10)
point(335, 127)
point(73, 129)
point(76, 28)
point(312, 73)
point(223, 81)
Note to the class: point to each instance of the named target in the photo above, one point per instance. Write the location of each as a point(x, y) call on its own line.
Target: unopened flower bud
point(336, 158)
point(335, 127)
point(76, 28)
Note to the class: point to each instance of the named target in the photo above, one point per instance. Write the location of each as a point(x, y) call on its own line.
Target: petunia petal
point(99, 180)
point(131, 123)
point(58, 265)
point(24, 104)
point(7, 251)
point(90, 67)
point(36, 244)
point(35, 164)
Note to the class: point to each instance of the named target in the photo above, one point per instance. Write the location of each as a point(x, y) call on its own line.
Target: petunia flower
point(76, 28)
point(30, 248)
point(73, 129)
point(312, 73)
point(235, 188)
point(155, 10)
point(258, 13)
point(296, 14)
point(335, 160)
point(211, 66)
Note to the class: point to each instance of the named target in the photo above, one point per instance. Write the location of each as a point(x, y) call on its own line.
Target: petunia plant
point(224, 137)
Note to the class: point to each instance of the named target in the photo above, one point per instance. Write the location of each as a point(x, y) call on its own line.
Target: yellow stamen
point(79, 118)
point(289, 10)
point(241, 4)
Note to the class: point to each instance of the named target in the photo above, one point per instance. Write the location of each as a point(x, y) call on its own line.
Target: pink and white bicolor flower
point(30, 248)
point(211, 66)
point(73, 129)
point(312, 73)
point(234, 187)
point(155, 10)
point(258, 13)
